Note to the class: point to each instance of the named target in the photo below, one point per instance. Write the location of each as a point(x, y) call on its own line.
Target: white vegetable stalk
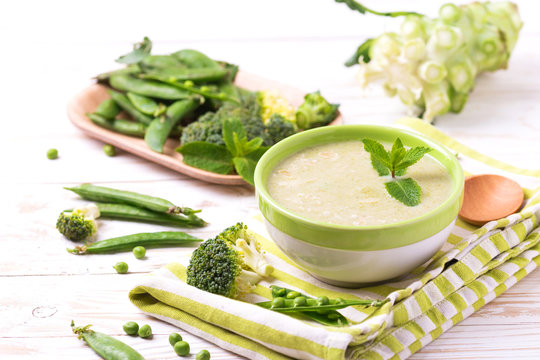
point(432, 63)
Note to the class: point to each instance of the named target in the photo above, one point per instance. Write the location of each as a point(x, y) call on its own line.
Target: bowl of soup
point(327, 208)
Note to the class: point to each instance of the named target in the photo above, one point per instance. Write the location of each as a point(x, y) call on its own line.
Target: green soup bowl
point(346, 255)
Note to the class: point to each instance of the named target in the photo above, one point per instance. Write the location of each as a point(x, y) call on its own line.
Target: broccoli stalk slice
point(246, 281)
point(253, 258)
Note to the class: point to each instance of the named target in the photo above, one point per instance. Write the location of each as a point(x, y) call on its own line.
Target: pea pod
point(150, 88)
point(108, 109)
point(128, 242)
point(131, 69)
point(309, 304)
point(160, 61)
point(106, 346)
point(193, 74)
point(126, 105)
point(109, 195)
point(132, 213)
point(142, 103)
point(194, 59)
point(161, 127)
point(119, 125)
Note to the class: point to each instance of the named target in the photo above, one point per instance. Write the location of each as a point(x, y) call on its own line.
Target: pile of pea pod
point(154, 96)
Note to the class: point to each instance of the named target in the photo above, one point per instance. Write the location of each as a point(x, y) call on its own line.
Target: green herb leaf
point(406, 191)
point(245, 166)
point(139, 52)
point(362, 52)
point(411, 157)
point(207, 156)
point(380, 159)
point(235, 138)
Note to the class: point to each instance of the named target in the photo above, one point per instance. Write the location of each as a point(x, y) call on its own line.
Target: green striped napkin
point(473, 267)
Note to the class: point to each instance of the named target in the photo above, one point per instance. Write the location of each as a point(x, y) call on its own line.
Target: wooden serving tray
point(89, 99)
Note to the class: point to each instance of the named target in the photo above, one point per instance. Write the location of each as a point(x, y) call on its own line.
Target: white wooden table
point(49, 52)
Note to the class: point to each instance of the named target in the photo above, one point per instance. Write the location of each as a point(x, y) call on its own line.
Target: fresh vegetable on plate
point(230, 264)
point(190, 96)
point(432, 64)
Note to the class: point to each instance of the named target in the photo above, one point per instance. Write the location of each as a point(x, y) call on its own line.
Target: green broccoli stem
point(353, 5)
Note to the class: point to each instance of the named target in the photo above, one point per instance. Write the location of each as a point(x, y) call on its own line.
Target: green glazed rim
point(349, 237)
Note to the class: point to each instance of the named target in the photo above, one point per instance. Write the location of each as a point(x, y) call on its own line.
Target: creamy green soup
point(336, 183)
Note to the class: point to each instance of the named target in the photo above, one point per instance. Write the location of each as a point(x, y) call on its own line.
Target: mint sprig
point(395, 163)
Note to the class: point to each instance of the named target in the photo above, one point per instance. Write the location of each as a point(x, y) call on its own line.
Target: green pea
point(174, 338)
point(52, 154)
point(181, 348)
point(203, 355)
point(188, 83)
point(131, 328)
point(339, 301)
point(293, 294)
point(323, 300)
point(121, 267)
point(145, 331)
point(109, 150)
point(278, 302)
point(300, 301)
point(279, 292)
point(139, 252)
point(204, 88)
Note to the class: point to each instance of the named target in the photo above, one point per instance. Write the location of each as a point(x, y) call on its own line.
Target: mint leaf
point(397, 153)
point(235, 138)
point(245, 166)
point(207, 156)
point(412, 156)
point(233, 135)
point(139, 52)
point(406, 191)
point(380, 159)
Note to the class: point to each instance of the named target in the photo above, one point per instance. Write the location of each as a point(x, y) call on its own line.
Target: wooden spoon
point(489, 197)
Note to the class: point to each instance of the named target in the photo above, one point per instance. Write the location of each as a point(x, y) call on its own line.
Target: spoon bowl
point(489, 197)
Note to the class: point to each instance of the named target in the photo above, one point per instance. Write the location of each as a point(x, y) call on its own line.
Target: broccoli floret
point(79, 224)
point(246, 243)
point(278, 128)
point(209, 127)
point(315, 111)
point(217, 267)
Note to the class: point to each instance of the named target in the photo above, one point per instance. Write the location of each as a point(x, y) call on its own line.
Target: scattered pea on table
point(181, 348)
point(139, 252)
point(145, 331)
point(174, 338)
point(109, 150)
point(121, 267)
point(203, 355)
point(131, 328)
point(52, 154)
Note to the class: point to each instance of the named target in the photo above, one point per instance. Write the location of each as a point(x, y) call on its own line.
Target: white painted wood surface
point(51, 49)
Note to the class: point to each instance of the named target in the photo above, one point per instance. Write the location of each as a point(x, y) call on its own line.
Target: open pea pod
point(204, 74)
point(329, 317)
point(208, 91)
point(304, 304)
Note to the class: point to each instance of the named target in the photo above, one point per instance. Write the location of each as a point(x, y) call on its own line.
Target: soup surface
point(336, 183)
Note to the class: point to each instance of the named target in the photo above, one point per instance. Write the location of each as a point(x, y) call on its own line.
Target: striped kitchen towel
point(473, 267)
